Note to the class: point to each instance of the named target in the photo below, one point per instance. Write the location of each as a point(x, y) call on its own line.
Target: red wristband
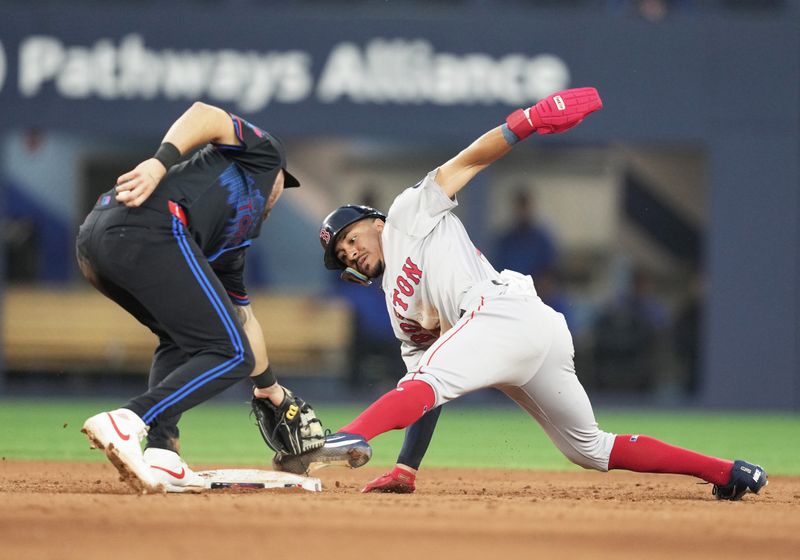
point(521, 123)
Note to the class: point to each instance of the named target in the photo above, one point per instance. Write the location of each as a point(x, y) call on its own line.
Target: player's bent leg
point(555, 398)
point(169, 277)
point(578, 438)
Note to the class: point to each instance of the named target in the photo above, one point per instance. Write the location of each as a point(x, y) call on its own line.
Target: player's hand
point(275, 393)
point(396, 481)
point(555, 113)
point(290, 427)
point(135, 186)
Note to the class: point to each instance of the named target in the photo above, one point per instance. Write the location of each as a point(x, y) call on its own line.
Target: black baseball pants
point(147, 262)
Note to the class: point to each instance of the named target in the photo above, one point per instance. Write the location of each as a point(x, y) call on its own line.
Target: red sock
point(396, 409)
point(646, 454)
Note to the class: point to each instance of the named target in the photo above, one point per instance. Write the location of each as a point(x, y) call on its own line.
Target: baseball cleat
point(119, 433)
point(340, 449)
point(169, 470)
point(744, 477)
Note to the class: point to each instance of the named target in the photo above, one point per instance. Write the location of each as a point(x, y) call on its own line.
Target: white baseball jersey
point(430, 266)
point(463, 326)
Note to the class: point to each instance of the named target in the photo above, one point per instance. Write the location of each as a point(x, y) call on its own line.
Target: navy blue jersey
point(229, 268)
point(224, 189)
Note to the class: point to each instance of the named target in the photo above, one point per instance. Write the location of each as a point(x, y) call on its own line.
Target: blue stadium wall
point(726, 83)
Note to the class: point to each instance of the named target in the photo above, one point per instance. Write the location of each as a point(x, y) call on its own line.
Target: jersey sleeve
point(256, 153)
point(418, 209)
point(229, 268)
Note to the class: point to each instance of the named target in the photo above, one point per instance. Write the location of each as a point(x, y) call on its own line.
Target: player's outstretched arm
point(553, 114)
point(457, 172)
point(199, 125)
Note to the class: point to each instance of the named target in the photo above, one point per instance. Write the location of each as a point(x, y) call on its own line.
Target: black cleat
point(744, 477)
point(340, 449)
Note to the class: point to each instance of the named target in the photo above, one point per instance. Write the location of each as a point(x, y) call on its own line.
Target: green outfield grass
point(223, 434)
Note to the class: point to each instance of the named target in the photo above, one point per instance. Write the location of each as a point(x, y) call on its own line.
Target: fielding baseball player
point(168, 245)
point(463, 326)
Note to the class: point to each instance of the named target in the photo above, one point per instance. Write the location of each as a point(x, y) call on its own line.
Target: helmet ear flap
point(354, 276)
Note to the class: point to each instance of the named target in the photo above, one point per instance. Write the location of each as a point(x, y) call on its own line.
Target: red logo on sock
point(177, 475)
point(124, 437)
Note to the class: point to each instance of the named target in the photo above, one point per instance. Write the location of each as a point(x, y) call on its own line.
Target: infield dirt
point(81, 510)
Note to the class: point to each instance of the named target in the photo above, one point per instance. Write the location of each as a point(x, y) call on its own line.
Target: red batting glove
point(396, 481)
point(555, 113)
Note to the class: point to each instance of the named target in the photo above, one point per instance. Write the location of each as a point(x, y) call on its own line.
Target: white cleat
point(119, 433)
point(169, 470)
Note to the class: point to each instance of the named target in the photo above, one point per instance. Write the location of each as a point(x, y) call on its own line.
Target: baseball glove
point(291, 428)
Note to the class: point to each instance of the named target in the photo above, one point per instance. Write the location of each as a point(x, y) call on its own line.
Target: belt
point(107, 201)
point(485, 288)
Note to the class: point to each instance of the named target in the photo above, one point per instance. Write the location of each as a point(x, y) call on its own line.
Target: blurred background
point(665, 227)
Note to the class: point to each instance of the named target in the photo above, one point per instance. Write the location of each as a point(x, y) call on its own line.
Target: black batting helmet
point(333, 225)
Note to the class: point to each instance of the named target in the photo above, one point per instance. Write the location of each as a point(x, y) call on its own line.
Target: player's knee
point(240, 356)
point(588, 461)
point(591, 452)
